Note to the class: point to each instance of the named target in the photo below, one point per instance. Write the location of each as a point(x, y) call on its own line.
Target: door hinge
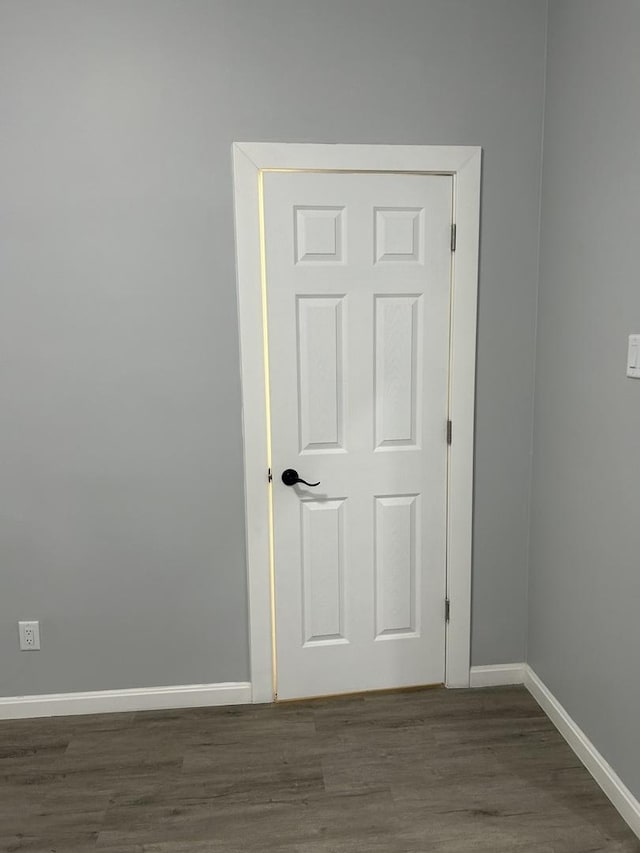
point(449, 432)
point(269, 475)
point(453, 237)
point(447, 610)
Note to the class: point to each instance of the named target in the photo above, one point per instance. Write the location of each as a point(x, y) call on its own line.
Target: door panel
point(358, 270)
point(323, 571)
point(397, 554)
point(321, 373)
point(397, 339)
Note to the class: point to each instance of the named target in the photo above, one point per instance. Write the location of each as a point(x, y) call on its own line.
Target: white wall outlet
point(633, 357)
point(29, 636)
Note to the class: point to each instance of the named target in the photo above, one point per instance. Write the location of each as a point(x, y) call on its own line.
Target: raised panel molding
point(399, 235)
point(318, 234)
point(320, 350)
point(397, 555)
point(323, 598)
point(397, 368)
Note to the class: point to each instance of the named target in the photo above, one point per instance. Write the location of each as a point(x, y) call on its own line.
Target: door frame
point(250, 161)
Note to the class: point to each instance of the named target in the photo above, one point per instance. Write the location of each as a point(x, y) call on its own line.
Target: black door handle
point(290, 478)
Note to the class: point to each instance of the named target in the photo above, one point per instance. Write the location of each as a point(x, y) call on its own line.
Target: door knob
point(290, 478)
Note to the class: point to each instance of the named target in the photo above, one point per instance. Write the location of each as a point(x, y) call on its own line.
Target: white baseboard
point(496, 675)
point(604, 774)
point(137, 699)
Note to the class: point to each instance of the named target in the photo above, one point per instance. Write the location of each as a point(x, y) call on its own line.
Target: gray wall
point(121, 508)
point(585, 543)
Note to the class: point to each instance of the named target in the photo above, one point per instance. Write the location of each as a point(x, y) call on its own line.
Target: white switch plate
point(29, 636)
point(633, 357)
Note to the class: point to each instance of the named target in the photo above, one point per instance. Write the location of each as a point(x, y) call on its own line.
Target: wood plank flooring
point(433, 771)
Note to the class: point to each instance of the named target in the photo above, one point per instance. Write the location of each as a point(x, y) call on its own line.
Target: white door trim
point(250, 159)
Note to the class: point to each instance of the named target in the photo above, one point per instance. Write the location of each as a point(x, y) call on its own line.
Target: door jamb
point(463, 163)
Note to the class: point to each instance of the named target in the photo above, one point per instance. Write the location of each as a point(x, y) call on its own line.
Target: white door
point(358, 279)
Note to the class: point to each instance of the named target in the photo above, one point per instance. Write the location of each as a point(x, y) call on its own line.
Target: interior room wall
point(584, 631)
point(121, 506)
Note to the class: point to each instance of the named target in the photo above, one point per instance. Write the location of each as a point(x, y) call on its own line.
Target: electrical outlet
point(29, 636)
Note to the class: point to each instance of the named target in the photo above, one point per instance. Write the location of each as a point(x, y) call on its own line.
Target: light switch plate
point(633, 357)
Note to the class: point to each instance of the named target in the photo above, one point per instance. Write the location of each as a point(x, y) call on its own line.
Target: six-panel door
point(358, 272)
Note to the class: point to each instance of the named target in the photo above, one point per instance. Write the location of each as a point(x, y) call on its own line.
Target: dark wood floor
point(435, 770)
